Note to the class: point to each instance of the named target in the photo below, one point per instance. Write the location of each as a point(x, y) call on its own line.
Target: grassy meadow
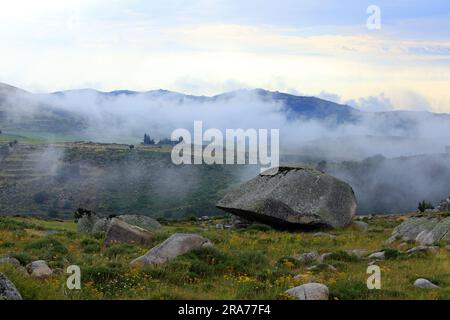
point(253, 263)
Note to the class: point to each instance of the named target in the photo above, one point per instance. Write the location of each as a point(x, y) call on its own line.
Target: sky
point(205, 47)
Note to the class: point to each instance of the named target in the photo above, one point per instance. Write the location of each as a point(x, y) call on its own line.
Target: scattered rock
point(39, 269)
point(360, 253)
point(86, 223)
point(121, 232)
point(425, 284)
point(377, 255)
point(175, 245)
point(141, 221)
point(220, 226)
point(360, 226)
point(324, 256)
point(10, 260)
point(101, 225)
point(444, 206)
point(310, 291)
point(293, 198)
point(425, 230)
point(307, 258)
point(238, 223)
point(8, 290)
point(431, 249)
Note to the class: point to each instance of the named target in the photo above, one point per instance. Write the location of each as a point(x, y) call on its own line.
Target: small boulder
point(8, 290)
point(359, 253)
point(39, 269)
point(101, 225)
point(144, 222)
point(377, 256)
point(447, 247)
point(307, 258)
point(174, 246)
point(121, 232)
point(425, 284)
point(10, 260)
point(360, 226)
point(324, 235)
point(310, 291)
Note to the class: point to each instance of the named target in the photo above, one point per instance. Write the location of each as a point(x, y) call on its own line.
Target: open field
point(253, 263)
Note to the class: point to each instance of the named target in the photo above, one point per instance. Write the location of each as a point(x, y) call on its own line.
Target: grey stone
point(360, 226)
point(310, 291)
point(324, 234)
point(176, 245)
point(144, 222)
point(8, 290)
point(10, 260)
point(39, 269)
point(377, 255)
point(444, 206)
point(101, 225)
point(360, 253)
point(86, 223)
point(425, 284)
point(324, 256)
point(293, 198)
point(121, 232)
point(309, 257)
point(424, 230)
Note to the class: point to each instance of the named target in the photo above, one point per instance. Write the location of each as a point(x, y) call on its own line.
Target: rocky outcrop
point(310, 291)
point(8, 290)
point(141, 221)
point(174, 246)
point(39, 269)
point(424, 230)
point(86, 223)
point(101, 225)
point(444, 206)
point(293, 198)
point(121, 232)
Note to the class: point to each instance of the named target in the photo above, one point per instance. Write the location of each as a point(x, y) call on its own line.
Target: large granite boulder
point(174, 246)
point(8, 290)
point(121, 232)
point(293, 198)
point(425, 230)
point(141, 221)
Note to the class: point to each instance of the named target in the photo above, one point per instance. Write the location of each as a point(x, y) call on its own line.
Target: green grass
point(255, 264)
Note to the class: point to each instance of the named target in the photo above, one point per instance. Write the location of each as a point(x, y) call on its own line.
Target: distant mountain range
point(50, 117)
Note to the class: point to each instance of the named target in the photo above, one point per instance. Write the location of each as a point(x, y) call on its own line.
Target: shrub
point(90, 245)
point(41, 197)
point(120, 249)
point(349, 290)
point(23, 258)
point(47, 249)
point(341, 256)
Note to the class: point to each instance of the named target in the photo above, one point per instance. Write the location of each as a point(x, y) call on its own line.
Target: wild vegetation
point(253, 263)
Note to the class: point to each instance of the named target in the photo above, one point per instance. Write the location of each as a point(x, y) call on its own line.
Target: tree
point(424, 206)
point(148, 140)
